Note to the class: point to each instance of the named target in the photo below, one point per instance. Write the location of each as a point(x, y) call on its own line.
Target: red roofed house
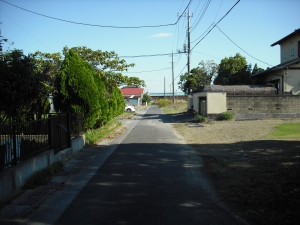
point(132, 95)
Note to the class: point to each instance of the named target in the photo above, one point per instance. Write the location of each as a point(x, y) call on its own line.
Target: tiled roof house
point(132, 95)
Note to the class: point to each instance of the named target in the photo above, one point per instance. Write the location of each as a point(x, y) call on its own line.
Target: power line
point(137, 56)
point(203, 12)
point(197, 6)
point(96, 25)
point(215, 24)
point(148, 71)
point(177, 27)
point(26, 30)
point(241, 48)
point(202, 34)
point(207, 55)
point(180, 72)
point(218, 10)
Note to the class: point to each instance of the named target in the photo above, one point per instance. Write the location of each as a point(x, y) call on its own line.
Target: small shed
point(209, 103)
point(211, 100)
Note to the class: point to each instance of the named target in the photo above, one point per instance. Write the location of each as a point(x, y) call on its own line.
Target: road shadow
point(164, 183)
point(183, 117)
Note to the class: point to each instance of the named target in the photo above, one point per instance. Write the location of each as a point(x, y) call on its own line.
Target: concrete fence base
point(14, 178)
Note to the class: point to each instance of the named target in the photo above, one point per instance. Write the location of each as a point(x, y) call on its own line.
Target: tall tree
point(76, 89)
point(48, 65)
point(109, 67)
point(256, 70)
point(22, 85)
point(233, 70)
point(199, 76)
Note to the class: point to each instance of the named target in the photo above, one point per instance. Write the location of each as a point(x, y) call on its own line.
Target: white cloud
point(160, 35)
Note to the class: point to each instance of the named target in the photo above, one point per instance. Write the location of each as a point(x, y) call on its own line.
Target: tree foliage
point(86, 81)
point(146, 98)
point(256, 70)
point(235, 71)
point(199, 76)
point(108, 66)
point(76, 89)
point(23, 86)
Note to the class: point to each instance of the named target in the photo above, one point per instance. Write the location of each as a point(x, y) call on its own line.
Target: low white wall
point(13, 179)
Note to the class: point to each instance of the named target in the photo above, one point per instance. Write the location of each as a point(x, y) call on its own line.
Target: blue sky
point(252, 24)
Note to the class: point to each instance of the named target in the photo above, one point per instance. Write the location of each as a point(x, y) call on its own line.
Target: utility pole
point(188, 45)
point(187, 48)
point(173, 80)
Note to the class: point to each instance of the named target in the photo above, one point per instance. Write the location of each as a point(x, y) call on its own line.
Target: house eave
point(278, 67)
point(287, 37)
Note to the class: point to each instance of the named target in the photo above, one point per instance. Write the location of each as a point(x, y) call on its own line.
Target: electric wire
point(180, 72)
point(241, 48)
point(197, 7)
point(218, 10)
point(210, 25)
point(207, 55)
point(198, 15)
point(137, 56)
point(26, 30)
point(202, 34)
point(215, 24)
point(96, 25)
point(181, 37)
point(177, 28)
point(148, 71)
point(203, 13)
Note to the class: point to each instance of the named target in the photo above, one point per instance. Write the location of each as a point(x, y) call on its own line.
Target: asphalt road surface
point(150, 177)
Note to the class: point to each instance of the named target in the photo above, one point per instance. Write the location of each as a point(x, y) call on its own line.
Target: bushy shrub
point(225, 116)
point(77, 91)
point(163, 102)
point(200, 118)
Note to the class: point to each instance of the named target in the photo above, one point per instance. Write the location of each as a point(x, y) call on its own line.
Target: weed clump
point(200, 118)
point(225, 116)
point(163, 102)
point(43, 176)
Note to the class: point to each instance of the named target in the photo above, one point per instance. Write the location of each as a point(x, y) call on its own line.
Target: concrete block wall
point(14, 178)
point(256, 107)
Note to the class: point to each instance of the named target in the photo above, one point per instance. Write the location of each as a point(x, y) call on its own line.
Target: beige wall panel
point(285, 48)
point(216, 103)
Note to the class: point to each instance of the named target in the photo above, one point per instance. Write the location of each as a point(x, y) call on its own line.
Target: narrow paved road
point(146, 176)
point(151, 178)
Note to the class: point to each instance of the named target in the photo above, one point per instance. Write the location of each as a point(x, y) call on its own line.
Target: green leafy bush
point(163, 102)
point(200, 118)
point(77, 91)
point(225, 116)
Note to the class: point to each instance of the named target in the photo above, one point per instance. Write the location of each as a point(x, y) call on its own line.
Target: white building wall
point(216, 103)
point(289, 49)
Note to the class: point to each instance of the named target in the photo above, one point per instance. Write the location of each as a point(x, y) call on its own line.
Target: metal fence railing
point(76, 124)
point(22, 140)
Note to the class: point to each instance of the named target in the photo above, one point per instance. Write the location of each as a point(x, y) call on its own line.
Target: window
point(292, 52)
point(284, 55)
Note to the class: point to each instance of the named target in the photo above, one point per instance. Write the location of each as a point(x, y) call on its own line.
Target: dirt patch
point(258, 178)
